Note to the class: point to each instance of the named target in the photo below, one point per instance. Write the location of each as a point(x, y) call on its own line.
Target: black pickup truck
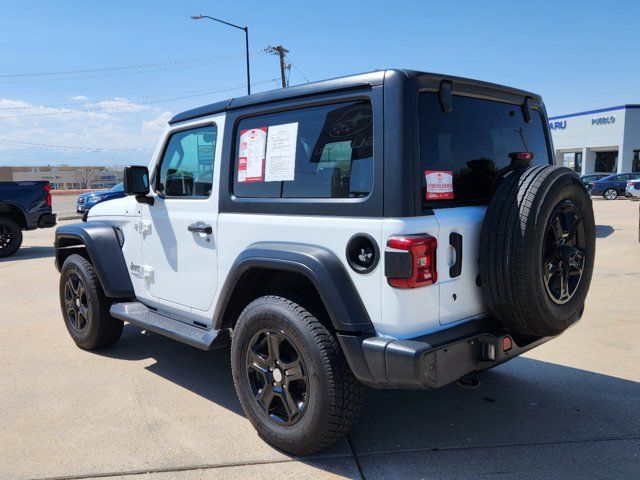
point(23, 206)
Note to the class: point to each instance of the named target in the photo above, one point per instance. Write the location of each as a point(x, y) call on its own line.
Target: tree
point(85, 176)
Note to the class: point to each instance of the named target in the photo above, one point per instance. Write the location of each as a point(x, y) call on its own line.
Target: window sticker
point(280, 160)
point(439, 184)
point(251, 155)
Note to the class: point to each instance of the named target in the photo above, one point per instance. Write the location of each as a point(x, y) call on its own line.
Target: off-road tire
point(335, 396)
point(15, 237)
point(512, 246)
point(100, 328)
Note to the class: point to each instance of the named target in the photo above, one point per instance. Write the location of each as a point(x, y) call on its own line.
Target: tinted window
point(187, 165)
point(474, 141)
point(118, 187)
point(332, 150)
point(606, 161)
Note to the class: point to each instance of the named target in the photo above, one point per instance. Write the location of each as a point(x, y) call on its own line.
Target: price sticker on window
point(439, 184)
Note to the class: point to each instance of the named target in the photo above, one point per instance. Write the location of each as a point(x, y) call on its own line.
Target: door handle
point(455, 240)
point(200, 227)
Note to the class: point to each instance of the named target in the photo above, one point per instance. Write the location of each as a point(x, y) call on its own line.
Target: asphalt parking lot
point(149, 407)
point(64, 205)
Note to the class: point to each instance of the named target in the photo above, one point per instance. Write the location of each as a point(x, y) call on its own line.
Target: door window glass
point(187, 165)
point(331, 153)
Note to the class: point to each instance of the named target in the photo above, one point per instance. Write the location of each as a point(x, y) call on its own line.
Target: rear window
point(473, 142)
point(323, 151)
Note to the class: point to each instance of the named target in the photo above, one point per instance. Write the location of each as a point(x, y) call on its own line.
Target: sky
point(94, 82)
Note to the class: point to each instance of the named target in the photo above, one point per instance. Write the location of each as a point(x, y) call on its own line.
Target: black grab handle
point(455, 240)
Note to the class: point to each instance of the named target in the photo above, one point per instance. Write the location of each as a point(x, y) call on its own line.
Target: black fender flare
point(322, 267)
point(103, 247)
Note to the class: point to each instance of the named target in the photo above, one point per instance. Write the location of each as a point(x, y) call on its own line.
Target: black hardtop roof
point(362, 80)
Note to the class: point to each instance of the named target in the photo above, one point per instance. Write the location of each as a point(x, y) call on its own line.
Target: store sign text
point(558, 125)
point(603, 120)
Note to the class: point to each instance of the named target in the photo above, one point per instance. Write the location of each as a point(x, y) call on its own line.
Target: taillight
point(410, 261)
point(521, 155)
point(47, 194)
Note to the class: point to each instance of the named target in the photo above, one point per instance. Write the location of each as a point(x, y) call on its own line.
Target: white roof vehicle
point(395, 229)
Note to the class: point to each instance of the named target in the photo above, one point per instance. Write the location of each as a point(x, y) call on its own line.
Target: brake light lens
point(47, 194)
point(521, 155)
point(410, 261)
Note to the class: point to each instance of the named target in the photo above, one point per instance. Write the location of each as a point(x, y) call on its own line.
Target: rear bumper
point(47, 220)
point(433, 360)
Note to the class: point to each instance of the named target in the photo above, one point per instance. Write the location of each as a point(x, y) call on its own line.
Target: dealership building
point(64, 177)
point(606, 140)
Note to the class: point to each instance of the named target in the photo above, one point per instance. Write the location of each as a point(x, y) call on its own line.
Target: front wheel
point(85, 307)
point(610, 194)
point(292, 378)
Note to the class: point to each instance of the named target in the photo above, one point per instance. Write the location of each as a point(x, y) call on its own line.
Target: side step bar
point(144, 317)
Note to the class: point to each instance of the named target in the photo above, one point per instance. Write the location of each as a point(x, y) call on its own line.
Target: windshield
point(118, 187)
point(472, 142)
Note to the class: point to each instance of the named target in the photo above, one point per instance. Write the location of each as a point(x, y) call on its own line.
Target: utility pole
point(281, 52)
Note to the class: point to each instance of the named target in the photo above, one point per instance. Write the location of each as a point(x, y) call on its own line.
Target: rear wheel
point(291, 377)
point(610, 194)
point(10, 237)
point(85, 308)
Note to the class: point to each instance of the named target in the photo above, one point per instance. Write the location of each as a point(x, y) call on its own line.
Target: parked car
point(592, 177)
point(367, 230)
point(23, 206)
point(613, 186)
point(633, 189)
point(87, 200)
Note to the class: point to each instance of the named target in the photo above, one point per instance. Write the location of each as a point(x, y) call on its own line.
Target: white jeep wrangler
point(395, 229)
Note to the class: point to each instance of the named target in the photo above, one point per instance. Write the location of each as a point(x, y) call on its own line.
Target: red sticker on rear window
point(439, 184)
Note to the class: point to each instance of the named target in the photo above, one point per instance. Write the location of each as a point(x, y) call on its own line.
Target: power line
point(124, 70)
point(88, 102)
point(125, 67)
point(111, 108)
point(48, 146)
point(297, 69)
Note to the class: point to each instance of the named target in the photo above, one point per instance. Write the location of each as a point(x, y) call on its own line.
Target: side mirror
point(136, 182)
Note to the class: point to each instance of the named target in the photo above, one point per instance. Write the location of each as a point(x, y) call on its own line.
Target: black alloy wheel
point(10, 237)
point(6, 237)
point(84, 305)
point(292, 378)
point(77, 303)
point(278, 376)
point(537, 250)
point(564, 253)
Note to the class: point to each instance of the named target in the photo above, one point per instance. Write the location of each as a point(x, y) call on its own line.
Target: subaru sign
point(558, 125)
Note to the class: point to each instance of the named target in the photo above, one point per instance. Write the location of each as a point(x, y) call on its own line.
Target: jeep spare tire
point(537, 249)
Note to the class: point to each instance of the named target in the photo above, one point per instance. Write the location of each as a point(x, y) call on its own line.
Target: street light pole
point(246, 41)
